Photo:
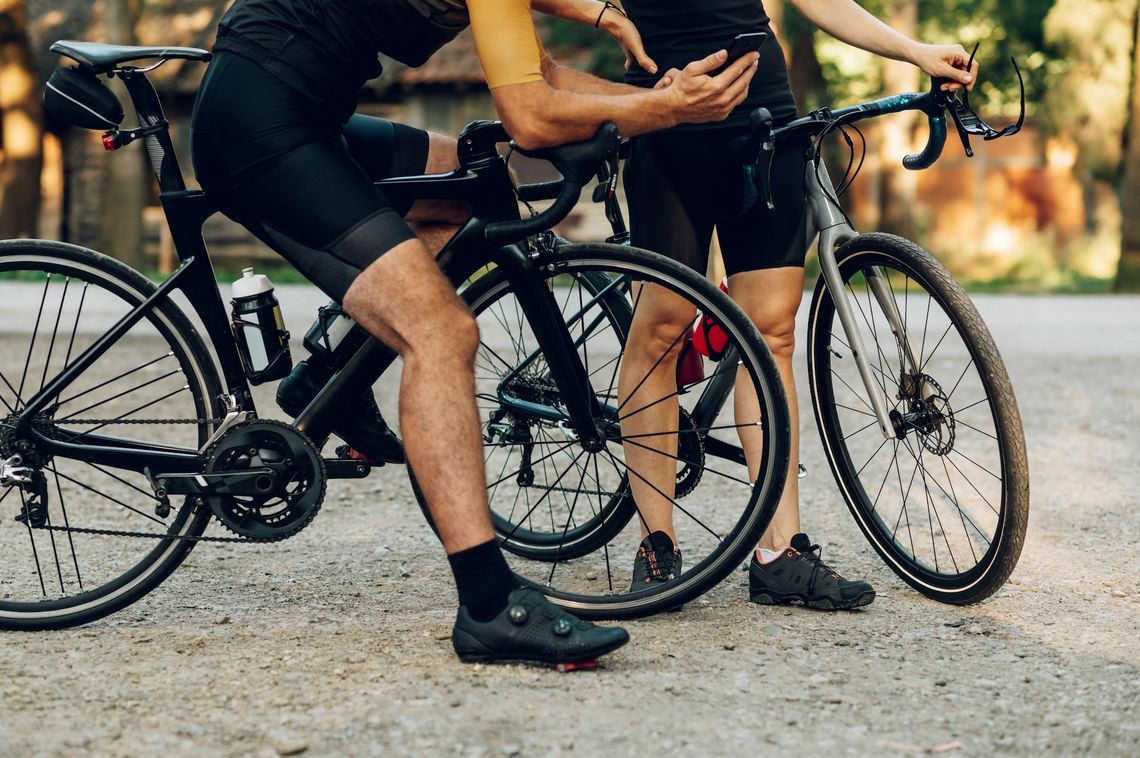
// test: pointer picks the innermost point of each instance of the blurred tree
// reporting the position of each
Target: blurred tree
(894, 136)
(126, 190)
(21, 124)
(1128, 270)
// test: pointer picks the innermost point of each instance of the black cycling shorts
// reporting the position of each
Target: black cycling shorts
(681, 184)
(303, 183)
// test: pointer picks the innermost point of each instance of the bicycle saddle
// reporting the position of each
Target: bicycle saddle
(100, 58)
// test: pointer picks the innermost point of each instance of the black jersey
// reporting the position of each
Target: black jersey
(327, 49)
(676, 32)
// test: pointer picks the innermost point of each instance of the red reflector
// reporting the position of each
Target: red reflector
(109, 141)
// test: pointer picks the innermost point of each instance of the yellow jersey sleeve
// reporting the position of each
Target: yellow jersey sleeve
(506, 41)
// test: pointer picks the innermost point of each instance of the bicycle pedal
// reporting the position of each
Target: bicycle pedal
(344, 452)
(579, 666)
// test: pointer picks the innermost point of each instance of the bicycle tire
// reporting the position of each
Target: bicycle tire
(81, 289)
(600, 265)
(931, 424)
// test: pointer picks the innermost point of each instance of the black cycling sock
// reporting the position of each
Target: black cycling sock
(483, 579)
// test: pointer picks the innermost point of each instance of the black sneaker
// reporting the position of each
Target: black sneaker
(532, 629)
(800, 575)
(365, 430)
(657, 561)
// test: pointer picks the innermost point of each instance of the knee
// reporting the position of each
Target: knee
(448, 337)
(661, 335)
(780, 336)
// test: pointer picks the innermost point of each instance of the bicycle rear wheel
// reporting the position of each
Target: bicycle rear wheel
(65, 555)
(569, 508)
(945, 499)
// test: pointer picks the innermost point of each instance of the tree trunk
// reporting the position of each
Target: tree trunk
(898, 187)
(21, 124)
(126, 194)
(775, 11)
(1128, 270)
(804, 72)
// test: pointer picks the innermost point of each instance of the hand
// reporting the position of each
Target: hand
(667, 78)
(698, 97)
(622, 29)
(947, 61)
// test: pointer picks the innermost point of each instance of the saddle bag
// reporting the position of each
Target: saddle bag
(77, 97)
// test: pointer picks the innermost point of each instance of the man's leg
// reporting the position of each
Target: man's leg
(404, 300)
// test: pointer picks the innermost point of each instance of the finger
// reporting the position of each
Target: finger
(745, 64)
(737, 89)
(707, 64)
(636, 50)
(973, 77)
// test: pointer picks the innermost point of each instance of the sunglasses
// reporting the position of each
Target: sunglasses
(966, 118)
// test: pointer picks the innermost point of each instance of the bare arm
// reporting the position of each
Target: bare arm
(848, 21)
(566, 78)
(612, 20)
(538, 114)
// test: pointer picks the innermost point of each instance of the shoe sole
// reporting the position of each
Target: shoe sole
(491, 656)
(822, 603)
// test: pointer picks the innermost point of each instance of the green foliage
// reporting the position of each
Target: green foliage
(1090, 77)
(606, 58)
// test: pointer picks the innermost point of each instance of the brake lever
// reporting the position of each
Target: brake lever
(765, 148)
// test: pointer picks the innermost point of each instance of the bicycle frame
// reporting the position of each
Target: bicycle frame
(481, 180)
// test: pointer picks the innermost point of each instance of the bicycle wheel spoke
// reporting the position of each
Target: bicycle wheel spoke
(652, 370)
(562, 541)
(678, 393)
(32, 345)
(51, 349)
(671, 500)
(105, 496)
(35, 553)
(113, 379)
(672, 457)
(124, 393)
(67, 525)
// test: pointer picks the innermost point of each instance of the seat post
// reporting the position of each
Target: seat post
(159, 146)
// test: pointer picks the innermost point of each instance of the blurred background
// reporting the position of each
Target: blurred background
(1053, 209)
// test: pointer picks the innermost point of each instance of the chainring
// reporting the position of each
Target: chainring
(292, 494)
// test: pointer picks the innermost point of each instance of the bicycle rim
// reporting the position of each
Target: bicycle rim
(52, 574)
(944, 499)
(541, 479)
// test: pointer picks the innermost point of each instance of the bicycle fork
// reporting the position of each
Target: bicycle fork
(834, 230)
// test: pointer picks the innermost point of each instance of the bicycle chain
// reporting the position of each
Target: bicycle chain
(144, 535)
(148, 535)
(144, 420)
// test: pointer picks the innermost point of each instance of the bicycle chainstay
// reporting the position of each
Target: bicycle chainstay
(144, 535)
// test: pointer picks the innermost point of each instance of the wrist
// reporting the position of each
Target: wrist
(669, 105)
(608, 16)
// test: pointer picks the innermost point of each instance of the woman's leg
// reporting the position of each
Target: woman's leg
(771, 298)
(667, 216)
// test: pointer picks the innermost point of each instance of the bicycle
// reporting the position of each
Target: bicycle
(892, 339)
(122, 429)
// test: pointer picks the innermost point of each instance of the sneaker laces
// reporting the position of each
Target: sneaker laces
(660, 566)
(814, 555)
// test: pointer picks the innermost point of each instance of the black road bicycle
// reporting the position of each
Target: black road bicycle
(912, 401)
(124, 433)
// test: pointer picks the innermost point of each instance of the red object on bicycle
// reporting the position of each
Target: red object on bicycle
(709, 338)
(690, 367)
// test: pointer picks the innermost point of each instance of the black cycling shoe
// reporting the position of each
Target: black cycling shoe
(531, 629)
(799, 575)
(365, 430)
(657, 561)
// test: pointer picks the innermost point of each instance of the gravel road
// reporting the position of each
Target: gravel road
(336, 641)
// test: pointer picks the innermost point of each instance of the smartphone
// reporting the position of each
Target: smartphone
(741, 44)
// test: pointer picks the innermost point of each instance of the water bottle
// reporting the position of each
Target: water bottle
(259, 329)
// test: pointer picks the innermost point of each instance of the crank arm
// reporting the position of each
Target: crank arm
(258, 481)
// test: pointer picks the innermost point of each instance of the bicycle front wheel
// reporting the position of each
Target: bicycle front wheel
(79, 540)
(569, 507)
(944, 496)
